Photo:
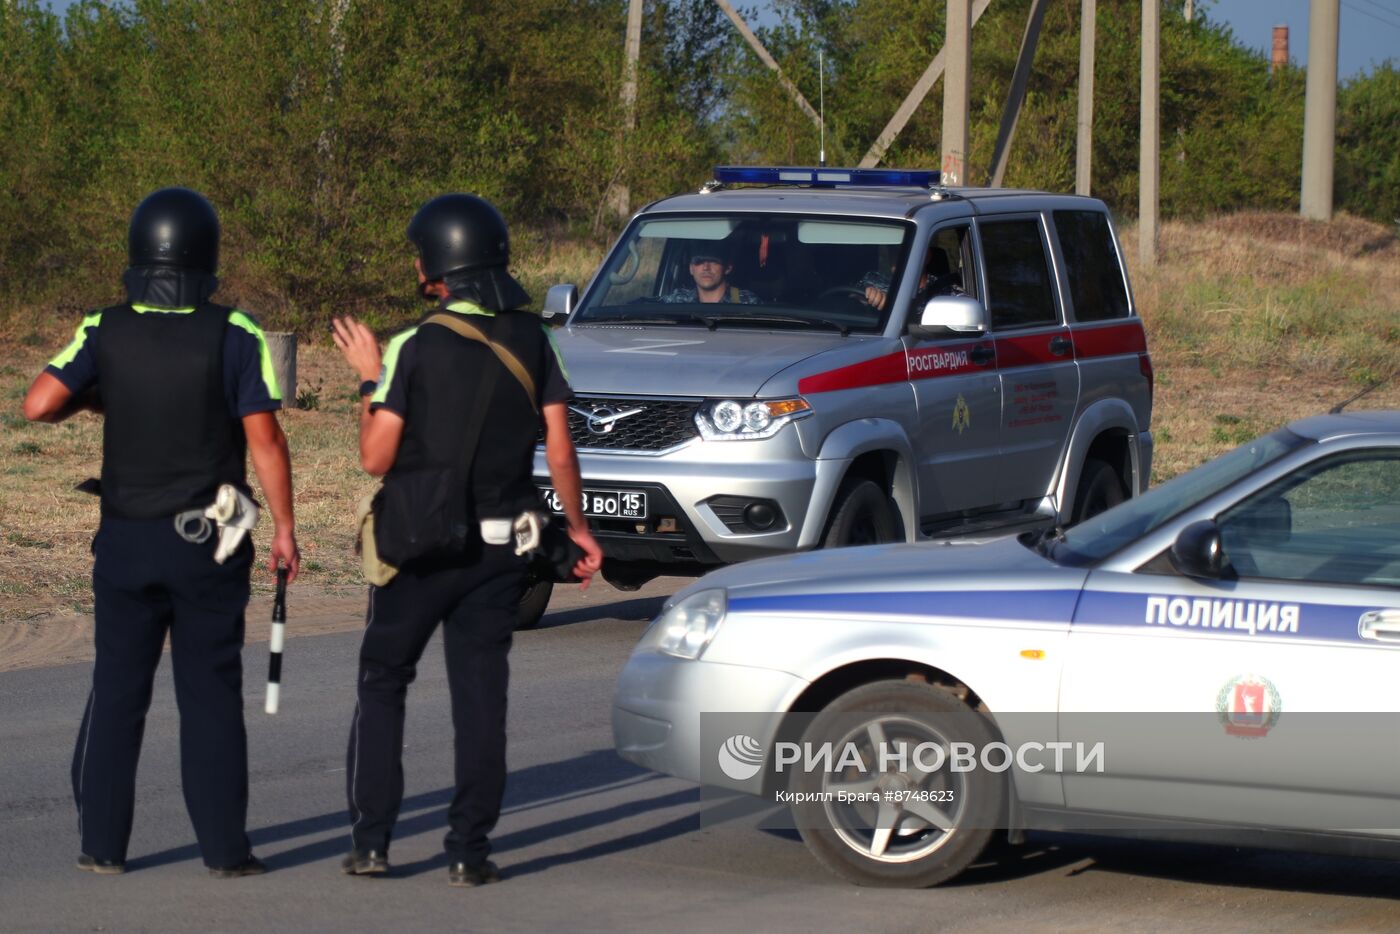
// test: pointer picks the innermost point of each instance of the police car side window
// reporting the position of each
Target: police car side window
(1091, 265)
(1337, 522)
(1019, 289)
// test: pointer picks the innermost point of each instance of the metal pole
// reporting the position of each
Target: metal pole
(915, 97)
(1149, 158)
(1017, 95)
(1084, 142)
(768, 60)
(956, 99)
(1320, 110)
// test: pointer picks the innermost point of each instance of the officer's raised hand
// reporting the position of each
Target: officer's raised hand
(358, 345)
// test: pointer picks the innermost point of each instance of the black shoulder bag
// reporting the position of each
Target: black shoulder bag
(429, 513)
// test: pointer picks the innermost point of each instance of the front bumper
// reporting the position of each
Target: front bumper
(687, 481)
(657, 712)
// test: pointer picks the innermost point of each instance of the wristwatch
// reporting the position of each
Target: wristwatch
(368, 387)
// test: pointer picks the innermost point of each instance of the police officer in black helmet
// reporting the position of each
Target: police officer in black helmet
(417, 405)
(186, 390)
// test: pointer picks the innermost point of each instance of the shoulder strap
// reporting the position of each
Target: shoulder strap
(509, 360)
(733, 295)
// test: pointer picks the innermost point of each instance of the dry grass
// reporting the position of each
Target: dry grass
(1253, 321)
(47, 527)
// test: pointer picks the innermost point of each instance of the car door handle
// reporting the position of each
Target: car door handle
(1380, 625)
(1060, 345)
(982, 354)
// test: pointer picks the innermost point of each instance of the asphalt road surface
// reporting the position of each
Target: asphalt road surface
(587, 842)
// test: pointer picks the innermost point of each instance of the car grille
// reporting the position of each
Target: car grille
(662, 423)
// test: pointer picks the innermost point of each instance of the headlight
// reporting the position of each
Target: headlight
(687, 626)
(728, 420)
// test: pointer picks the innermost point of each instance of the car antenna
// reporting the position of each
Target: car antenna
(821, 106)
(1337, 409)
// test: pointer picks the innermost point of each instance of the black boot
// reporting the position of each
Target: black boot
(365, 863)
(469, 875)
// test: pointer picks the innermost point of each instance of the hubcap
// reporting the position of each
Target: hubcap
(917, 811)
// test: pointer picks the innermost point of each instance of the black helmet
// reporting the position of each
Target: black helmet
(459, 232)
(174, 227)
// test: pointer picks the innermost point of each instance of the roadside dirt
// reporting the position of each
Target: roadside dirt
(63, 640)
(311, 611)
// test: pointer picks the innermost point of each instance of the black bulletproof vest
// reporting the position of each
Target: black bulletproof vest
(168, 439)
(442, 390)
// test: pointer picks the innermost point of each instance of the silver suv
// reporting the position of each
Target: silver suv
(808, 358)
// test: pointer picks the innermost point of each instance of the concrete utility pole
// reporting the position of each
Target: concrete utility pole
(1084, 141)
(915, 97)
(956, 96)
(1149, 171)
(621, 195)
(768, 60)
(1017, 94)
(1320, 110)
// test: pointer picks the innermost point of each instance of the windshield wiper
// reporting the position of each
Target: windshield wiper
(713, 321)
(651, 320)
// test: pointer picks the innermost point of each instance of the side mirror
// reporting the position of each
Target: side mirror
(959, 313)
(1197, 551)
(560, 300)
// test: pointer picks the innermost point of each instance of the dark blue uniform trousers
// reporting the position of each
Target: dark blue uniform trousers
(477, 605)
(146, 580)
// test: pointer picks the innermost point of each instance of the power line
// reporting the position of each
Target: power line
(1382, 7)
(1373, 16)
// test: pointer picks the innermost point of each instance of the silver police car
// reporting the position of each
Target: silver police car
(1210, 657)
(804, 358)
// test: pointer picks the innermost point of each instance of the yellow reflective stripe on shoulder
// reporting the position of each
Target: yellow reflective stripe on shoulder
(158, 310)
(66, 355)
(554, 345)
(240, 319)
(470, 308)
(391, 360)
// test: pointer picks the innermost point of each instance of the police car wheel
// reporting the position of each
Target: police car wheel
(863, 515)
(898, 818)
(533, 602)
(1099, 489)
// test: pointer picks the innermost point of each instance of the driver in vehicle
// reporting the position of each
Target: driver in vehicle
(936, 279)
(710, 267)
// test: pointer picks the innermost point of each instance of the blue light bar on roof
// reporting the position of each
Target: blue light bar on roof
(822, 177)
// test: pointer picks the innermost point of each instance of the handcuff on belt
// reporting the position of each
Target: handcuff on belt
(233, 511)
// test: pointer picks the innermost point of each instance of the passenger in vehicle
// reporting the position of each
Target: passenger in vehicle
(936, 279)
(710, 266)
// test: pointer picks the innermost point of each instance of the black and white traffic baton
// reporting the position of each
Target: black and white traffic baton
(274, 655)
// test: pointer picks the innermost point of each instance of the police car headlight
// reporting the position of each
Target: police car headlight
(727, 416)
(686, 627)
(728, 420)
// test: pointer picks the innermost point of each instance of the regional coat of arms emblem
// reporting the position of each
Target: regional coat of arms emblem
(1248, 705)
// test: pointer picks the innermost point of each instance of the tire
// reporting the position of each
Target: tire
(1099, 489)
(534, 600)
(915, 852)
(863, 515)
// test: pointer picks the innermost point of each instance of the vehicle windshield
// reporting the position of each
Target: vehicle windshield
(769, 271)
(1096, 538)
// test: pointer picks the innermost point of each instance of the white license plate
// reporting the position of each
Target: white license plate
(603, 504)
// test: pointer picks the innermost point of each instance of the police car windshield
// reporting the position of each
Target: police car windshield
(1097, 538)
(770, 271)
